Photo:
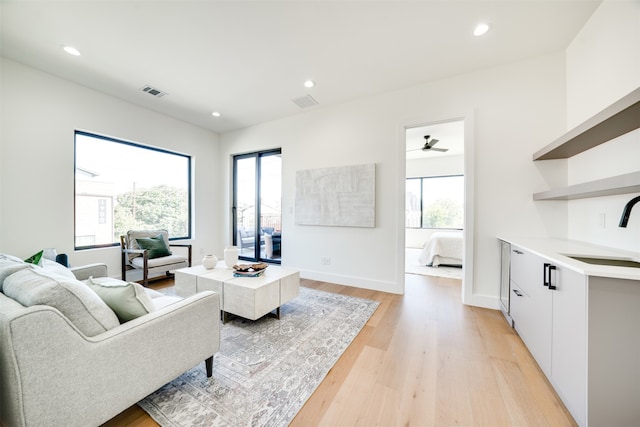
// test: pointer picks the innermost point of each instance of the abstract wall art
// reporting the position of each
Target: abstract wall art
(338, 196)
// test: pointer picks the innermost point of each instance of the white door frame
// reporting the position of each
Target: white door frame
(469, 199)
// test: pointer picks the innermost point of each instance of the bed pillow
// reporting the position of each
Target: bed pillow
(128, 300)
(156, 246)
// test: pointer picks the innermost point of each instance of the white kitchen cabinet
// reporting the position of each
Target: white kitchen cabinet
(531, 305)
(584, 332)
(569, 340)
(549, 314)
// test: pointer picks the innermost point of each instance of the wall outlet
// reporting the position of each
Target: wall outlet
(325, 260)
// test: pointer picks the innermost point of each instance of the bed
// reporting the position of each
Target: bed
(442, 248)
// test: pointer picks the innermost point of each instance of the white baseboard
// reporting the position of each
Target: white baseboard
(358, 282)
(484, 301)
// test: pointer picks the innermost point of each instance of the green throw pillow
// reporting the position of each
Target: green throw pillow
(127, 300)
(35, 259)
(155, 246)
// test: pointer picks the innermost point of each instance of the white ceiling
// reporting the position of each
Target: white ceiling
(248, 60)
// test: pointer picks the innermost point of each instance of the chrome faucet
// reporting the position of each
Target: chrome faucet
(627, 211)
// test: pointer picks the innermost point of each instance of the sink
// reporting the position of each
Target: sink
(614, 262)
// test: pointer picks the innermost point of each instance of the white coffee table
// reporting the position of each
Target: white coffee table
(248, 297)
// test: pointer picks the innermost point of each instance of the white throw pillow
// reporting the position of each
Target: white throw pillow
(9, 265)
(128, 300)
(56, 268)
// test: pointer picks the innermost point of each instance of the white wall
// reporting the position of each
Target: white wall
(603, 65)
(39, 115)
(445, 165)
(418, 168)
(516, 108)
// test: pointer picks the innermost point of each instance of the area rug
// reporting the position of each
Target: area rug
(413, 267)
(267, 369)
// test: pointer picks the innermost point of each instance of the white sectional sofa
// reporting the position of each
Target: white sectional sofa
(67, 359)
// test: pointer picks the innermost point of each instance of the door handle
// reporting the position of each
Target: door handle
(517, 292)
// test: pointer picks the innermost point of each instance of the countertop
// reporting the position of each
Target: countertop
(556, 249)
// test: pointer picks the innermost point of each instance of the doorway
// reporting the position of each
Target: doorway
(257, 213)
(435, 198)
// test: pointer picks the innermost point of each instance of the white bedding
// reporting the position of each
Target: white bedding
(443, 248)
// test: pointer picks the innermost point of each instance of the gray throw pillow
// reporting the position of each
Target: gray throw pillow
(78, 303)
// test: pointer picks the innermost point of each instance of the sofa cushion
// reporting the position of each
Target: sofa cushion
(159, 262)
(161, 300)
(9, 265)
(57, 268)
(128, 300)
(82, 306)
(165, 300)
(155, 246)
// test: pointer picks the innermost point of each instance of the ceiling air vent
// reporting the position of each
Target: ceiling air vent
(153, 91)
(305, 101)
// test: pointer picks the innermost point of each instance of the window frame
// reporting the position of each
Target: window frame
(137, 145)
(257, 156)
(422, 178)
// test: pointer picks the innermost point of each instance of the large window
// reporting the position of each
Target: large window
(435, 202)
(122, 186)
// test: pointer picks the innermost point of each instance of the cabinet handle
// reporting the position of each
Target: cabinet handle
(545, 274)
(517, 292)
(518, 252)
(551, 285)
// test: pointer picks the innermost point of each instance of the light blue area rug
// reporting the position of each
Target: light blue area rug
(267, 369)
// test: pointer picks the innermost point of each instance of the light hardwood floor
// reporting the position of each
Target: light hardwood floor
(425, 359)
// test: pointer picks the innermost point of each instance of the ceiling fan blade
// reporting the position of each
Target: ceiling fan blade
(439, 149)
(433, 142)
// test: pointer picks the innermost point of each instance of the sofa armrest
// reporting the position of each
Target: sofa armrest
(83, 272)
(58, 372)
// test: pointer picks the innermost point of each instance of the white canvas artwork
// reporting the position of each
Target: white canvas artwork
(338, 196)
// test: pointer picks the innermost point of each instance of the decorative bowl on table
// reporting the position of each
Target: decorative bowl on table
(249, 270)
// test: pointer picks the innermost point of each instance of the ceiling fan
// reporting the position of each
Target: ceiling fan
(429, 143)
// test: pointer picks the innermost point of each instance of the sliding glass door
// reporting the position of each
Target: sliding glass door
(257, 216)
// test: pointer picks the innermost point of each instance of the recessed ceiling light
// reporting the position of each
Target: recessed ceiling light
(215, 114)
(481, 29)
(71, 50)
(309, 83)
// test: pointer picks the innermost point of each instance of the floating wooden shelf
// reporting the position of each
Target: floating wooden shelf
(621, 117)
(621, 184)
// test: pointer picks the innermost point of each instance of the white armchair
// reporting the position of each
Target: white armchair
(149, 251)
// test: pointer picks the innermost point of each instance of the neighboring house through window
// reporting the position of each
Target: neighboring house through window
(121, 185)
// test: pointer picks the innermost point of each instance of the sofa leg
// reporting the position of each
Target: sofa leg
(209, 365)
